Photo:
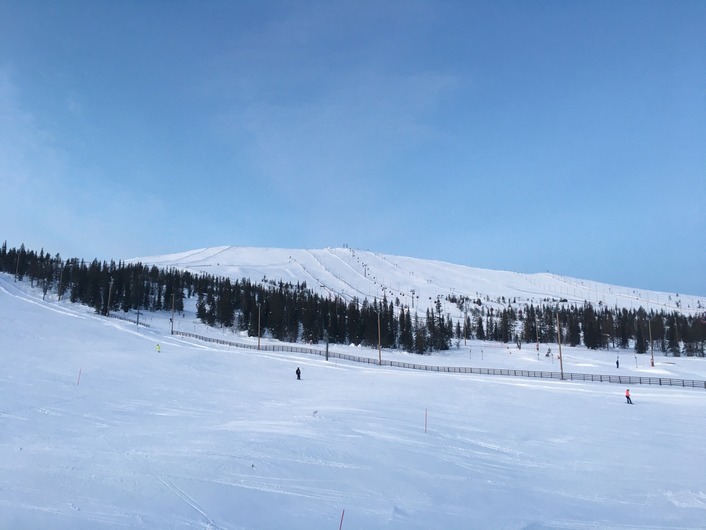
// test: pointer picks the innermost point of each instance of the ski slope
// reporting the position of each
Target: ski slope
(100, 430)
(351, 273)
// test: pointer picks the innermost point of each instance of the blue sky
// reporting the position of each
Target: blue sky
(523, 136)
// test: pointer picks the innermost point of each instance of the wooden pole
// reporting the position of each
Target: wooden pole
(536, 331)
(61, 276)
(379, 346)
(561, 357)
(172, 319)
(465, 327)
(652, 350)
(110, 294)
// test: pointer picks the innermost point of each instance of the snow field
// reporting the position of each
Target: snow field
(199, 436)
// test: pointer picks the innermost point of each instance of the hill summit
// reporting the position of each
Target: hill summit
(416, 283)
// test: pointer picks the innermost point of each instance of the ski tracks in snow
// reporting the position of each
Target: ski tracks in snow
(30, 299)
(188, 499)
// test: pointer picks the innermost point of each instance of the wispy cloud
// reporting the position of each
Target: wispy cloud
(313, 94)
(26, 151)
(73, 103)
(47, 197)
(31, 167)
(355, 127)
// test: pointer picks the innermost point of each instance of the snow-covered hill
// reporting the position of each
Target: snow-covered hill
(102, 430)
(417, 283)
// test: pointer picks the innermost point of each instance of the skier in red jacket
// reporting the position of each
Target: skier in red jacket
(627, 396)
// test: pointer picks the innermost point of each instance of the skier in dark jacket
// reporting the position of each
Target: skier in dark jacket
(299, 373)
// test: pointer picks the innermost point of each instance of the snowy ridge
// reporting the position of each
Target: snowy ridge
(350, 273)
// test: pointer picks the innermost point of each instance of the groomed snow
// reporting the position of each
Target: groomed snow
(99, 429)
(417, 283)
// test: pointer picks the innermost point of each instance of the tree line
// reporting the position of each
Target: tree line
(293, 312)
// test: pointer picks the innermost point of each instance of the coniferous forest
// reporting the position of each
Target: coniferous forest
(294, 313)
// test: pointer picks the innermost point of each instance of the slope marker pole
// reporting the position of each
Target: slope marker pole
(341, 524)
(79, 376)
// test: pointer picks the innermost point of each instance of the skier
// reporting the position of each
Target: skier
(627, 396)
(299, 373)
(617, 363)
